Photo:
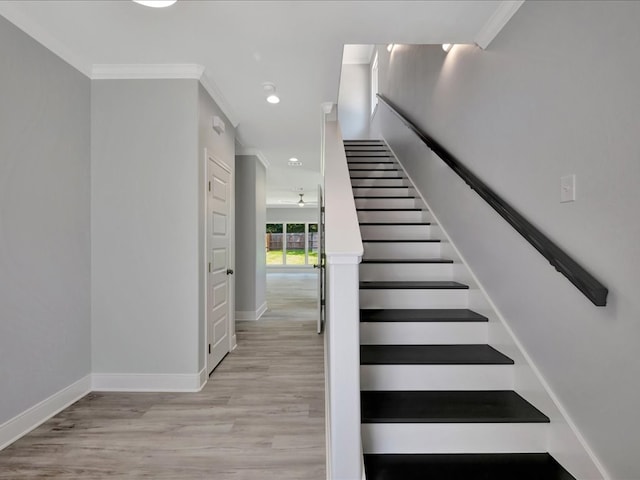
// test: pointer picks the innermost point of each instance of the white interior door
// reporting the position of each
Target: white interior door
(218, 238)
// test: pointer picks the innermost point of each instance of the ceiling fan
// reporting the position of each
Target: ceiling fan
(301, 201)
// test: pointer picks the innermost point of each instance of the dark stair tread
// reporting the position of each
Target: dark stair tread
(356, 197)
(413, 285)
(415, 240)
(464, 466)
(374, 170)
(421, 315)
(406, 260)
(432, 355)
(381, 186)
(377, 178)
(397, 224)
(377, 162)
(455, 406)
(409, 209)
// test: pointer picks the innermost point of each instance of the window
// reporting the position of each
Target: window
(292, 243)
(374, 82)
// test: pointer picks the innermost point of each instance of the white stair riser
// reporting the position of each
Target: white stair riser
(377, 166)
(406, 271)
(396, 202)
(402, 250)
(393, 216)
(413, 298)
(378, 182)
(454, 438)
(396, 232)
(423, 333)
(382, 192)
(375, 173)
(436, 377)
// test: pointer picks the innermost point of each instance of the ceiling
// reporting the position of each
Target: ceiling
(297, 45)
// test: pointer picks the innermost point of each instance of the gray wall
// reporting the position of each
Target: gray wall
(44, 223)
(556, 93)
(250, 238)
(145, 226)
(354, 101)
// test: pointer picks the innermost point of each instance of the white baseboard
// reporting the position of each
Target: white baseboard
(148, 382)
(33, 417)
(251, 316)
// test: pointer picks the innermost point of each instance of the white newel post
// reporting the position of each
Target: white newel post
(343, 247)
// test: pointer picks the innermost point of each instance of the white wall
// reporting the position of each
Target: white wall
(145, 226)
(44, 224)
(354, 101)
(555, 94)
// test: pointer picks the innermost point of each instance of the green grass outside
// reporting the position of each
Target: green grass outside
(294, 257)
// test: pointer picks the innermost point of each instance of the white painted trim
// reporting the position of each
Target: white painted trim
(234, 342)
(496, 22)
(251, 316)
(289, 268)
(547, 390)
(261, 311)
(255, 152)
(149, 71)
(23, 423)
(40, 35)
(147, 382)
(204, 378)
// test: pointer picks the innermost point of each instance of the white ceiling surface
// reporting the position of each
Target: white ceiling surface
(297, 45)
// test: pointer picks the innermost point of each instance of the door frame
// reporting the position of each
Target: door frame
(205, 257)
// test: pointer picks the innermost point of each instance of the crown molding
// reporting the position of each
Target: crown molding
(191, 71)
(212, 89)
(32, 28)
(497, 21)
(242, 150)
(146, 71)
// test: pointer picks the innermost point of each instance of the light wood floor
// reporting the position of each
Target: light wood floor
(260, 417)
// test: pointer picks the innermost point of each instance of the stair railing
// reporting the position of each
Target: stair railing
(343, 252)
(563, 263)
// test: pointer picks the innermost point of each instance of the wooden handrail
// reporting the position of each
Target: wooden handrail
(563, 263)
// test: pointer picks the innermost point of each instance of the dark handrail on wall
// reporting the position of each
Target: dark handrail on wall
(583, 280)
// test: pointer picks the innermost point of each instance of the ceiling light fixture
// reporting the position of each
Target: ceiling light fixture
(270, 91)
(447, 46)
(301, 201)
(390, 47)
(156, 3)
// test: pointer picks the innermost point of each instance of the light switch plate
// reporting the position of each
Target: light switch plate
(568, 188)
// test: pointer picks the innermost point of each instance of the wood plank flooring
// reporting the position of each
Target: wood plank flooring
(261, 416)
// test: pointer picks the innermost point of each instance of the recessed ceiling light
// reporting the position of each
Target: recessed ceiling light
(270, 91)
(294, 162)
(156, 3)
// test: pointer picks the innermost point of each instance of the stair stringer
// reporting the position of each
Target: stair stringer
(564, 440)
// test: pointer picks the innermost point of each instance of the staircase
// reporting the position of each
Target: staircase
(437, 402)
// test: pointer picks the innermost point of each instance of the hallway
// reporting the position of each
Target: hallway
(261, 416)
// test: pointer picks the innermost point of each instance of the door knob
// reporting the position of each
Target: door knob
(229, 271)
(315, 265)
